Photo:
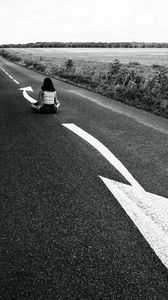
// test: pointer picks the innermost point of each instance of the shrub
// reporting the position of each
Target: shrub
(17, 59)
(28, 62)
(155, 66)
(4, 53)
(69, 64)
(113, 68)
(40, 66)
(119, 92)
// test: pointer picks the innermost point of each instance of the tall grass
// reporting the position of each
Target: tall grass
(145, 87)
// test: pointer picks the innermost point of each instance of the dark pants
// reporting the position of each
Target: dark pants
(48, 109)
(45, 109)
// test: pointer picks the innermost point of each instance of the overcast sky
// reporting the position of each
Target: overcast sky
(24, 21)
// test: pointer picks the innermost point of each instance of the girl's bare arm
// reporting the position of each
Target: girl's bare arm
(55, 98)
(40, 98)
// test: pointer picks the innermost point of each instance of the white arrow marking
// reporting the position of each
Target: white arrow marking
(25, 90)
(149, 212)
(105, 152)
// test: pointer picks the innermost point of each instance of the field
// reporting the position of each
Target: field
(147, 56)
(138, 77)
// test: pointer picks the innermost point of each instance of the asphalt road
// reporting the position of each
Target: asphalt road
(63, 234)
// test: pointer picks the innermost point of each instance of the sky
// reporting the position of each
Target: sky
(24, 21)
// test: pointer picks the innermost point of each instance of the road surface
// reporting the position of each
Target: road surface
(77, 212)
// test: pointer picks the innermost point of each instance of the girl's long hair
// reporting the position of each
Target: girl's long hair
(48, 85)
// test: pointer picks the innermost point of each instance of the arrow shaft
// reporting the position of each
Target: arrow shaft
(30, 99)
(105, 152)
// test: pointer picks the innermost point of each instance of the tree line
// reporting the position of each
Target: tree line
(86, 45)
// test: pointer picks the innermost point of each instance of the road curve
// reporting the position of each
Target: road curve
(63, 233)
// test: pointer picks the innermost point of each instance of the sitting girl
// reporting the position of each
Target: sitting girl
(48, 102)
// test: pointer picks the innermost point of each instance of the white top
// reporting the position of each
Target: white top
(48, 97)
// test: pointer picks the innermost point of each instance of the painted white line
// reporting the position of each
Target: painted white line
(9, 75)
(105, 152)
(16, 81)
(30, 99)
(148, 212)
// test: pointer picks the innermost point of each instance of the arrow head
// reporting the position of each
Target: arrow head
(132, 192)
(148, 212)
(28, 89)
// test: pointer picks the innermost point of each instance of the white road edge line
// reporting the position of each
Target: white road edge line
(105, 152)
(16, 81)
(9, 75)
